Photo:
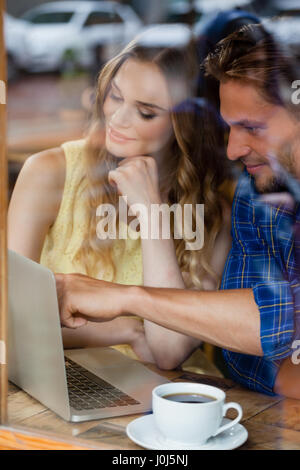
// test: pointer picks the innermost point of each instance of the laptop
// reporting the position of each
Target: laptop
(77, 384)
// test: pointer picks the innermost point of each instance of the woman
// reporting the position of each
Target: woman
(150, 143)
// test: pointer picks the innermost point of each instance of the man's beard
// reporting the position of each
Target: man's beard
(276, 184)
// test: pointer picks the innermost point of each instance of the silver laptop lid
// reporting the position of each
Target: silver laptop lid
(35, 349)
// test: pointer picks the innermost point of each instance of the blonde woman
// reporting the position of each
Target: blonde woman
(150, 143)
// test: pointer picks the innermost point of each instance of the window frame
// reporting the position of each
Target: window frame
(3, 226)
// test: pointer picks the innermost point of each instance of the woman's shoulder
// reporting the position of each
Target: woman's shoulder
(38, 188)
(47, 166)
(52, 164)
(54, 161)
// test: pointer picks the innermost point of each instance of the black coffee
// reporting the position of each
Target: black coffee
(189, 397)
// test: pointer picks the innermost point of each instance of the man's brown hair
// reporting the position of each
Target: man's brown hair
(252, 55)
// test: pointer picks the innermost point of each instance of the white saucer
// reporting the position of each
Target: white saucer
(143, 432)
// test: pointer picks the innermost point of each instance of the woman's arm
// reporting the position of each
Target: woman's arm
(118, 331)
(137, 179)
(35, 202)
(161, 269)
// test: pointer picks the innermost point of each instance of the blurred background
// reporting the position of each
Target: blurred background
(56, 49)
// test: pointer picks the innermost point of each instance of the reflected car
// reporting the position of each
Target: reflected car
(67, 33)
(14, 31)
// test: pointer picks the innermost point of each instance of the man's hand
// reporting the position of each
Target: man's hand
(82, 299)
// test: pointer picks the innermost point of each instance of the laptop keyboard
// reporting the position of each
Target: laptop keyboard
(88, 392)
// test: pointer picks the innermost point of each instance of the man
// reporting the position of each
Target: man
(255, 317)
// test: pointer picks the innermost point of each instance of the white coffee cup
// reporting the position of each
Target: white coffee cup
(191, 423)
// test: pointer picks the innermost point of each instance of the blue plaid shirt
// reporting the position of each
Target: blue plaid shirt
(262, 258)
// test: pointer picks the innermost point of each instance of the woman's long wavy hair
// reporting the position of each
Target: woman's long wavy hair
(195, 158)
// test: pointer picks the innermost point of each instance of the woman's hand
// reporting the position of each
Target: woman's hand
(137, 179)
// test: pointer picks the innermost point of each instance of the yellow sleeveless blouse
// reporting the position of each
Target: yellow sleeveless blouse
(65, 236)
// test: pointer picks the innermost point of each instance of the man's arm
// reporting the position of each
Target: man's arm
(229, 319)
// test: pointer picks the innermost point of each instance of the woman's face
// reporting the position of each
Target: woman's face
(136, 111)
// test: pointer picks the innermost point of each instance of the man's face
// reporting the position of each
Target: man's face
(258, 129)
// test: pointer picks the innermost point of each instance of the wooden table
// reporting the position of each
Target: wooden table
(272, 422)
